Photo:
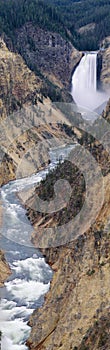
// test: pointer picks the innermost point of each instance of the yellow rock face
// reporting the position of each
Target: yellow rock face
(105, 73)
(75, 315)
(79, 295)
(4, 269)
(17, 83)
(19, 92)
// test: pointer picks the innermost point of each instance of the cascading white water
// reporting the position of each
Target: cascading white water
(91, 71)
(86, 74)
(84, 83)
(24, 290)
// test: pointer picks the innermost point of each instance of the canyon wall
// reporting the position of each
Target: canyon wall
(47, 53)
(75, 314)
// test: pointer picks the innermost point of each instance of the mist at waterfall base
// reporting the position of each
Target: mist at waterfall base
(84, 85)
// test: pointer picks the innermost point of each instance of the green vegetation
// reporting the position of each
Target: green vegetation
(45, 191)
(90, 272)
(14, 14)
(62, 16)
(76, 14)
(52, 91)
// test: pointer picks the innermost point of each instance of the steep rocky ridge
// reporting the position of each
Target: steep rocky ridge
(47, 52)
(4, 269)
(104, 63)
(77, 305)
(79, 293)
(21, 91)
(105, 72)
(74, 265)
(20, 87)
(45, 190)
(22, 99)
(25, 140)
(49, 55)
(17, 83)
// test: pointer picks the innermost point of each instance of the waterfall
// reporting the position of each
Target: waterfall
(84, 83)
(86, 74)
(91, 67)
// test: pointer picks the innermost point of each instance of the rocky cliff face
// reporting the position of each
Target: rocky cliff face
(4, 269)
(23, 107)
(47, 53)
(50, 55)
(78, 300)
(19, 87)
(71, 174)
(77, 305)
(105, 73)
(79, 294)
(25, 140)
(18, 84)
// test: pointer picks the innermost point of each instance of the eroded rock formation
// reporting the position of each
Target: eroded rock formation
(105, 72)
(77, 305)
(4, 269)
(47, 53)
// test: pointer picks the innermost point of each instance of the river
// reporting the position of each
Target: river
(30, 279)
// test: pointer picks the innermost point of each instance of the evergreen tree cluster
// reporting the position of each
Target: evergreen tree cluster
(76, 14)
(15, 13)
(59, 16)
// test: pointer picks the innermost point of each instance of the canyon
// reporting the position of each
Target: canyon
(78, 301)
(77, 304)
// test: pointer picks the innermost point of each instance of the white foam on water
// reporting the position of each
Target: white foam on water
(26, 291)
(16, 330)
(23, 294)
(7, 344)
(13, 252)
(9, 310)
(35, 268)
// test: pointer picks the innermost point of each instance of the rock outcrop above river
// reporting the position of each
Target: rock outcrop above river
(75, 315)
(105, 71)
(18, 85)
(4, 269)
(48, 53)
(77, 303)
(26, 137)
(24, 105)
(23, 99)
(79, 294)
(68, 171)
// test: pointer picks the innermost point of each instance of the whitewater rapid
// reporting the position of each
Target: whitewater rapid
(30, 280)
(84, 85)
